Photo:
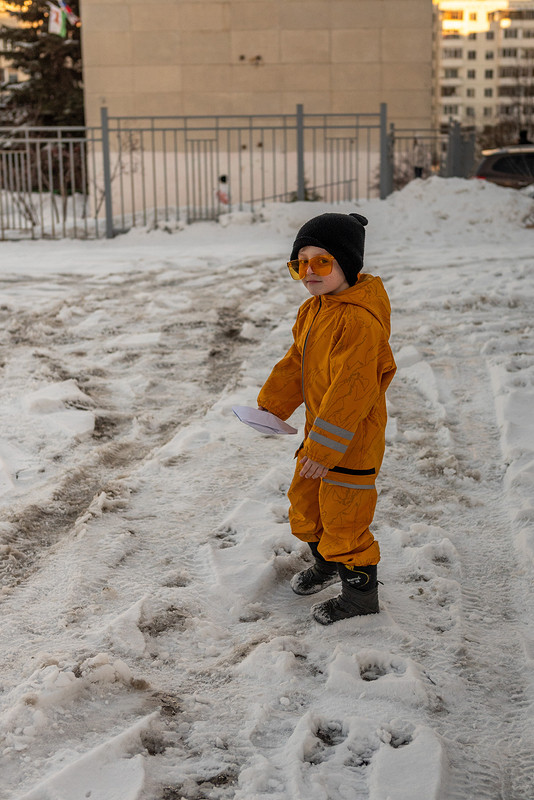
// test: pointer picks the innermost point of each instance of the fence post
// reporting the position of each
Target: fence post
(301, 186)
(454, 150)
(468, 154)
(386, 155)
(107, 172)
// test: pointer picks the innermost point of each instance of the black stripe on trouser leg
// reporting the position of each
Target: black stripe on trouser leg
(346, 471)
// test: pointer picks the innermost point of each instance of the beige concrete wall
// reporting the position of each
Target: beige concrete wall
(258, 57)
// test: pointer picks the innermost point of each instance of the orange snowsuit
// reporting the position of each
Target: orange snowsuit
(340, 366)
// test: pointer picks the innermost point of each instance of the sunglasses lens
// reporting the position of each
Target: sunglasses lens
(321, 265)
(294, 270)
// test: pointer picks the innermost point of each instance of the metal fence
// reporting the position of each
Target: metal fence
(89, 182)
(45, 188)
(149, 171)
(417, 152)
(194, 168)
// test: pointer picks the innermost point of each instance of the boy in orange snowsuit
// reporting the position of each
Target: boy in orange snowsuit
(340, 366)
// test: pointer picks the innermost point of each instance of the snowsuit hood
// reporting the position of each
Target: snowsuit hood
(368, 293)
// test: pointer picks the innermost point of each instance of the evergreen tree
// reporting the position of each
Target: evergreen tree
(52, 93)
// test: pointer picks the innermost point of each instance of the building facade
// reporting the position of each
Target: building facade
(486, 62)
(216, 57)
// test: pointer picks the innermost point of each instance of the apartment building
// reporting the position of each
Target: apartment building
(486, 62)
(190, 57)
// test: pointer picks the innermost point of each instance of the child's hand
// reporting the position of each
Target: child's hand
(312, 469)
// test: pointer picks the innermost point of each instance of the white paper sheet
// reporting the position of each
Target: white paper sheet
(262, 421)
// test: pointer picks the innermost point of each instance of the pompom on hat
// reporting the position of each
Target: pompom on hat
(341, 235)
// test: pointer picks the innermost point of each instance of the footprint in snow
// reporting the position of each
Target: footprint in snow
(281, 514)
(226, 536)
(327, 736)
(372, 670)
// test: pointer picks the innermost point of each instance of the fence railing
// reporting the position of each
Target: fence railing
(196, 168)
(45, 188)
(420, 153)
(91, 182)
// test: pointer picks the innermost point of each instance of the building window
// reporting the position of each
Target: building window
(450, 109)
(451, 35)
(470, 111)
(451, 72)
(471, 73)
(470, 92)
(528, 33)
(509, 52)
(490, 34)
(511, 33)
(448, 91)
(488, 92)
(508, 91)
(488, 111)
(528, 52)
(489, 55)
(13, 77)
(509, 72)
(473, 16)
(520, 14)
(488, 74)
(450, 52)
(472, 36)
(453, 15)
(2, 74)
(471, 55)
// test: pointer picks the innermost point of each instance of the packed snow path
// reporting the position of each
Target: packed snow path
(151, 646)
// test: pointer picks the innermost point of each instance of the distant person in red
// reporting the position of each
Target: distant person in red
(223, 193)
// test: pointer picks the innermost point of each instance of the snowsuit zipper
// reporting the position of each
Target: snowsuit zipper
(304, 354)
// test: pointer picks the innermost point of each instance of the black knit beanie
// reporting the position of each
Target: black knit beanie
(341, 235)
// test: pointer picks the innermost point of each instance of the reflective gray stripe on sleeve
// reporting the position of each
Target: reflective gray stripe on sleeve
(327, 426)
(349, 485)
(341, 448)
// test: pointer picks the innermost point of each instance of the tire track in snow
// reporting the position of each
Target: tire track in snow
(203, 342)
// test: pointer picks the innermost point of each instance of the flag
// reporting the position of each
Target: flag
(57, 22)
(71, 16)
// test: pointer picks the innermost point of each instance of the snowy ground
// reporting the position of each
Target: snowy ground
(151, 648)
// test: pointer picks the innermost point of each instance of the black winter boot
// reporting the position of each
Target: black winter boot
(359, 595)
(317, 577)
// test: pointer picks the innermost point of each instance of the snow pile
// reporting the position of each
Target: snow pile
(439, 212)
(432, 212)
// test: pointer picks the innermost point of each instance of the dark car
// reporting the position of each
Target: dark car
(509, 166)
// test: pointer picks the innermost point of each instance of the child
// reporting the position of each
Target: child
(339, 366)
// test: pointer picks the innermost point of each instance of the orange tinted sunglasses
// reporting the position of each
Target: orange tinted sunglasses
(321, 265)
